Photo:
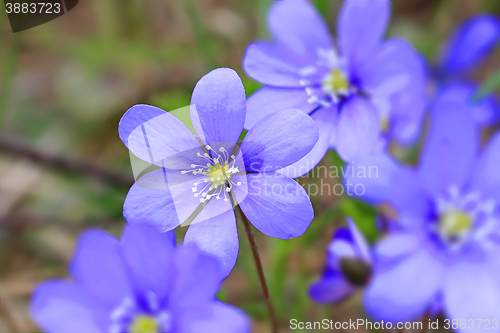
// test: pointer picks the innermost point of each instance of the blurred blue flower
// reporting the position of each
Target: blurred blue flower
(468, 46)
(442, 252)
(203, 177)
(361, 91)
(141, 284)
(348, 264)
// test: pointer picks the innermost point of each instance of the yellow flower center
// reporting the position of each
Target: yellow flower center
(384, 123)
(454, 224)
(218, 174)
(144, 324)
(335, 82)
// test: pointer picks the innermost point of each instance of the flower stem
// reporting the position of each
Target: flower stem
(260, 271)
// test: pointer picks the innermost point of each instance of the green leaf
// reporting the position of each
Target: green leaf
(492, 84)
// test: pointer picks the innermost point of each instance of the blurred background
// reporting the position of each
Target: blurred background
(64, 86)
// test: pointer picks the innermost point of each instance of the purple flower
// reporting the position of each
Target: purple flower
(361, 90)
(203, 177)
(486, 111)
(468, 46)
(141, 284)
(442, 252)
(347, 268)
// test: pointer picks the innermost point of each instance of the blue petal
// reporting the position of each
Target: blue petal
(277, 206)
(148, 255)
(298, 26)
(62, 307)
(161, 198)
(278, 140)
(485, 176)
(361, 26)
(358, 129)
(268, 100)
(360, 244)
(135, 117)
(471, 43)
(373, 179)
(393, 66)
(99, 268)
(408, 110)
(217, 236)
(326, 119)
(159, 138)
(402, 292)
(273, 64)
(216, 318)
(218, 107)
(197, 277)
(451, 148)
(472, 291)
(485, 111)
(331, 289)
(397, 245)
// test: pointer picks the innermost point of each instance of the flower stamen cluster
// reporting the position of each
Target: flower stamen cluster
(219, 169)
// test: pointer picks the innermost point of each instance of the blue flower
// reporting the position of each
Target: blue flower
(141, 284)
(361, 91)
(468, 46)
(203, 177)
(347, 268)
(442, 251)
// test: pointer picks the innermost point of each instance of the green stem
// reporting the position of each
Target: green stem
(260, 272)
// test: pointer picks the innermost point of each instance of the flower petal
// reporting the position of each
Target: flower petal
(372, 178)
(159, 138)
(331, 289)
(397, 245)
(361, 245)
(273, 64)
(161, 198)
(268, 100)
(404, 291)
(278, 140)
(218, 107)
(277, 206)
(217, 318)
(217, 236)
(393, 66)
(451, 148)
(485, 111)
(297, 25)
(472, 291)
(361, 25)
(407, 114)
(326, 119)
(99, 268)
(148, 255)
(196, 277)
(485, 177)
(62, 307)
(471, 43)
(358, 129)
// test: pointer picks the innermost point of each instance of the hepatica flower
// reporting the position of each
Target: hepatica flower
(468, 46)
(202, 177)
(443, 252)
(361, 90)
(348, 266)
(141, 284)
